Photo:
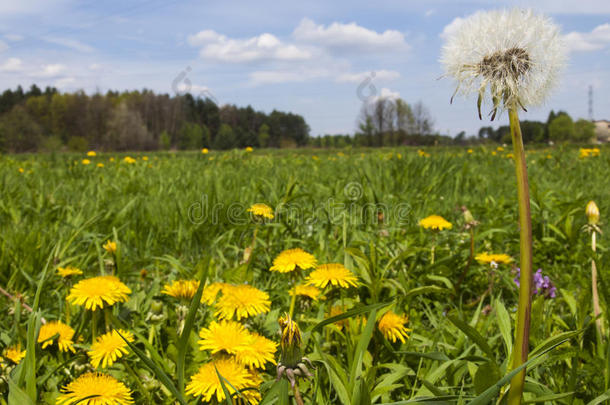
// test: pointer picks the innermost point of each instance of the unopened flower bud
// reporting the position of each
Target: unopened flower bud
(592, 213)
(290, 342)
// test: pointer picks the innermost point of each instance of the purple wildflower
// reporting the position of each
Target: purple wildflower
(542, 284)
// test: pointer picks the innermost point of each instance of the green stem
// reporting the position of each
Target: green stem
(93, 326)
(521, 347)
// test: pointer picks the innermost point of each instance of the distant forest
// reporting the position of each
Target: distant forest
(37, 120)
(48, 120)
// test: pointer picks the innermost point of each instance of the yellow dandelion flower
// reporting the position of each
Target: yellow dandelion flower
(85, 161)
(109, 246)
(435, 222)
(205, 151)
(249, 149)
(95, 389)
(332, 273)
(470, 151)
(500, 149)
(241, 301)
(14, 353)
(109, 347)
(145, 158)
(111, 159)
(306, 291)
(21, 170)
(183, 289)
(210, 292)
(99, 292)
(129, 159)
(338, 310)
(100, 165)
(69, 271)
(291, 259)
(249, 348)
(223, 336)
(392, 326)
(494, 257)
(64, 340)
(257, 351)
(207, 385)
(261, 210)
(91, 153)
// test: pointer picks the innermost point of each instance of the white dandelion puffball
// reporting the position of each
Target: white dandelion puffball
(515, 53)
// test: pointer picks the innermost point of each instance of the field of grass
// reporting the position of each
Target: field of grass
(184, 216)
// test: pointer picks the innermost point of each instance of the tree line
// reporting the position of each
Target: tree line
(559, 127)
(48, 120)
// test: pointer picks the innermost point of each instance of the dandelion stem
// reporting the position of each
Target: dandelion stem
(297, 395)
(93, 326)
(521, 346)
(596, 308)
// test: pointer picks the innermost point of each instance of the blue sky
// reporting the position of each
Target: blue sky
(306, 57)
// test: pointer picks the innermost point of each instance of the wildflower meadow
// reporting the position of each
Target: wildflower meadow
(394, 276)
(436, 275)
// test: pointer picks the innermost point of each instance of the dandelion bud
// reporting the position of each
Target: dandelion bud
(290, 342)
(592, 213)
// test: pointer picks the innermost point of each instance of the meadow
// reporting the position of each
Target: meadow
(406, 313)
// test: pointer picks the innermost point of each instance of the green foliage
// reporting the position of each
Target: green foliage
(174, 212)
(584, 131)
(78, 144)
(561, 129)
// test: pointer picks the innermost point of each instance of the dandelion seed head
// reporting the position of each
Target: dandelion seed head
(516, 54)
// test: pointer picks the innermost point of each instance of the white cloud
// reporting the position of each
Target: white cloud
(429, 12)
(383, 94)
(452, 27)
(348, 36)
(94, 66)
(284, 76)
(262, 47)
(50, 71)
(381, 75)
(69, 43)
(64, 82)
(13, 37)
(595, 40)
(11, 65)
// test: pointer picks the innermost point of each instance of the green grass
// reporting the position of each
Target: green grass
(175, 212)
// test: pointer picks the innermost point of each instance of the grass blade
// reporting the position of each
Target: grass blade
(183, 342)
